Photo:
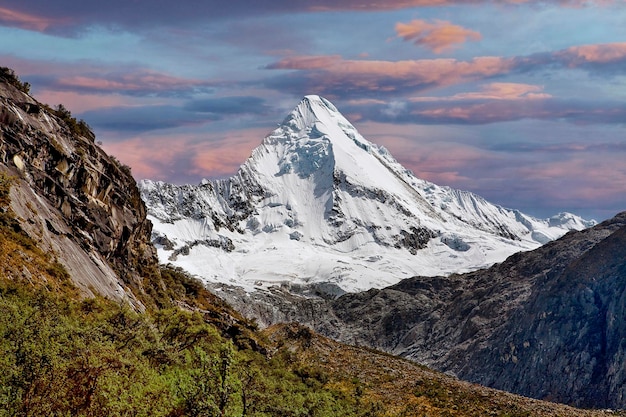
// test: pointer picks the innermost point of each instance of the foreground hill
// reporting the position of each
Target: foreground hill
(405, 388)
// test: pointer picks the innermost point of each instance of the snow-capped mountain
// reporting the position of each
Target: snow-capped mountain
(316, 203)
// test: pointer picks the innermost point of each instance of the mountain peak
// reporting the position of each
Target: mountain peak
(317, 105)
(313, 117)
(315, 138)
(318, 203)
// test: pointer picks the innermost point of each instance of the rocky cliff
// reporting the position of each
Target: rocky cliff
(77, 202)
(549, 324)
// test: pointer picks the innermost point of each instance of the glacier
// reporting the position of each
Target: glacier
(318, 204)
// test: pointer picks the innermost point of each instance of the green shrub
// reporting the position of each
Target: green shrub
(8, 75)
(76, 127)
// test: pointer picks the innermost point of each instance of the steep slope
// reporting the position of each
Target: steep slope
(348, 215)
(548, 323)
(405, 388)
(78, 203)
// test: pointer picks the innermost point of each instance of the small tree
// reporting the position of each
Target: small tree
(8, 75)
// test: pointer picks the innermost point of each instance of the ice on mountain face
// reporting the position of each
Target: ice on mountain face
(318, 203)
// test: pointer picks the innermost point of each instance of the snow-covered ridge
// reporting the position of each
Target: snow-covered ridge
(318, 203)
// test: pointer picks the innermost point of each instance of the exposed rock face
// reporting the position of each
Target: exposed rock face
(550, 323)
(73, 198)
(568, 342)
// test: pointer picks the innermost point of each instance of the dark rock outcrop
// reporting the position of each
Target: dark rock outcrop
(78, 202)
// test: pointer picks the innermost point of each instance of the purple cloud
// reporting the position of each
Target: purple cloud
(144, 118)
(69, 16)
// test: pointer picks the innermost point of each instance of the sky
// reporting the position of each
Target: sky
(520, 101)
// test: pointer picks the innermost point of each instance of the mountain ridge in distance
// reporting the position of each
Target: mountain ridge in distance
(347, 213)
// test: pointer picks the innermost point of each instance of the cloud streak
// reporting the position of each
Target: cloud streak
(28, 21)
(101, 78)
(334, 75)
(70, 16)
(145, 118)
(493, 105)
(495, 91)
(134, 81)
(438, 36)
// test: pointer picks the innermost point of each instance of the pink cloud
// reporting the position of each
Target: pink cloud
(506, 91)
(599, 54)
(438, 36)
(181, 157)
(137, 80)
(78, 103)
(28, 21)
(496, 91)
(98, 78)
(393, 75)
(336, 76)
(309, 62)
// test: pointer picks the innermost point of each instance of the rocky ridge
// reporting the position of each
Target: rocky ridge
(76, 201)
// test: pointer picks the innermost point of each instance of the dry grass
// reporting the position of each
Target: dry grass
(406, 388)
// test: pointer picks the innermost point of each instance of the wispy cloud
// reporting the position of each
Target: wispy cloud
(106, 78)
(593, 54)
(132, 81)
(480, 109)
(439, 36)
(495, 91)
(69, 16)
(28, 21)
(335, 75)
(145, 118)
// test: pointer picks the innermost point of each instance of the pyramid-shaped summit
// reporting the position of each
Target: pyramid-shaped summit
(318, 203)
(316, 139)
